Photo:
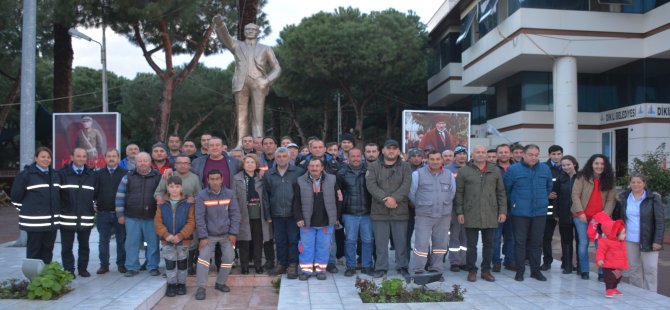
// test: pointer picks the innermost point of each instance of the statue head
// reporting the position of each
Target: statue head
(251, 31)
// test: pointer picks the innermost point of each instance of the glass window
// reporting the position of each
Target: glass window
(467, 31)
(607, 144)
(537, 92)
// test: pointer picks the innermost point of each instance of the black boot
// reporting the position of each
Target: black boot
(192, 261)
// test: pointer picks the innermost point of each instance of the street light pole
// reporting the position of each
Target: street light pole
(103, 58)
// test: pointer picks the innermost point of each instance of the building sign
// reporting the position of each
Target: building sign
(643, 110)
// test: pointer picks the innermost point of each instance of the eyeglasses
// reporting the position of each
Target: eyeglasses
(179, 163)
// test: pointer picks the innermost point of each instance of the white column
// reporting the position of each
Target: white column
(565, 104)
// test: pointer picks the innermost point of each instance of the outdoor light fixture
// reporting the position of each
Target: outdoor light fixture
(32, 267)
(75, 33)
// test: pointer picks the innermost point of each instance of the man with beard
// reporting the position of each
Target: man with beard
(371, 153)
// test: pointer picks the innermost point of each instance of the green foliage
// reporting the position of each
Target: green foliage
(276, 284)
(14, 289)
(652, 165)
(394, 291)
(52, 282)
(368, 58)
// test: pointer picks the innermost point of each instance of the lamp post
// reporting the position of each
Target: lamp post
(103, 58)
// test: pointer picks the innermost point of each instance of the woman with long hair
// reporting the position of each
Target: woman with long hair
(592, 192)
(566, 225)
(643, 212)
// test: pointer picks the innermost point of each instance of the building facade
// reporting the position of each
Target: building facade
(592, 76)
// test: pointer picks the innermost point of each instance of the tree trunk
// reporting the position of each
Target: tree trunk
(164, 109)
(359, 110)
(325, 131)
(276, 124)
(62, 82)
(248, 12)
(11, 96)
(389, 120)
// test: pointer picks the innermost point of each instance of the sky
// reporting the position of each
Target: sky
(125, 59)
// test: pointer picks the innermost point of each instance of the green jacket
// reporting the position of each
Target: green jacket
(480, 197)
(383, 181)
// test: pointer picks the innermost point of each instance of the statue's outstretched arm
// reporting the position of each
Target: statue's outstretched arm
(222, 32)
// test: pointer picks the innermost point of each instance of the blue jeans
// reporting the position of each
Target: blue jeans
(506, 232)
(136, 231)
(356, 224)
(286, 233)
(107, 222)
(583, 248)
(315, 248)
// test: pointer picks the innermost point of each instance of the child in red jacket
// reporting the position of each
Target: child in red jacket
(611, 255)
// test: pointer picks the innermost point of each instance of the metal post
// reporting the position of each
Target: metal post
(28, 45)
(339, 118)
(103, 57)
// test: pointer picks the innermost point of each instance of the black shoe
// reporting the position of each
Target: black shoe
(403, 271)
(143, 267)
(545, 266)
(455, 268)
(496, 267)
(380, 273)
(221, 287)
(181, 289)
(601, 278)
(292, 272)
(510, 267)
(518, 276)
(84, 273)
(154, 272)
(585, 275)
(200, 293)
(567, 270)
(171, 290)
(538, 276)
(259, 270)
(244, 270)
(303, 277)
(368, 271)
(321, 276)
(464, 267)
(131, 273)
(102, 270)
(122, 269)
(350, 272)
(332, 268)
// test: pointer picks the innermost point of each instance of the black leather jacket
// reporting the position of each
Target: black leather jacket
(357, 199)
(564, 199)
(652, 219)
(278, 191)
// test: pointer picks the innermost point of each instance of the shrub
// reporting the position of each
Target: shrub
(14, 289)
(276, 284)
(652, 165)
(52, 282)
(394, 291)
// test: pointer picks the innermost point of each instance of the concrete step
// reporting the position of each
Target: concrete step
(238, 280)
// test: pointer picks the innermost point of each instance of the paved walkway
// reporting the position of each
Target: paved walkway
(108, 291)
(559, 292)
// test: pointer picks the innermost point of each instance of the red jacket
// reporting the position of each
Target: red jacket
(599, 218)
(431, 137)
(611, 250)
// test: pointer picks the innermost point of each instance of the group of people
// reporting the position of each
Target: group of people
(201, 206)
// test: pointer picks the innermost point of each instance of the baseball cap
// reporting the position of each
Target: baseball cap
(292, 145)
(460, 149)
(391, 142)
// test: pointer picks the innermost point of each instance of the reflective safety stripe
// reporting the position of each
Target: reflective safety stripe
(39, 217)
(86, 224)
(36, 225)
(553, 179)
(439, 251)
(464, 248)
(454, 249)
(221, 202)
(69, 186)
(37, 186)
(203, 262)
(68, 224)
(69, 217)
(85, 217)
(550, 207)
(17, 204)
(56, 184)
(550, 213)
(419, 253)
(88, 187)
(227, 266)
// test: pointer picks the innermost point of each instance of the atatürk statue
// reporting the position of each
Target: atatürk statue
(252, 80)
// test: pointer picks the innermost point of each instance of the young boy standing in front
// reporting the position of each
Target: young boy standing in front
(175, 223)
(611, 255)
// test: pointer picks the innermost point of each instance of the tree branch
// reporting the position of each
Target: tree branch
(198, 123)
(167, 46)
(147, 55)
(200, 49)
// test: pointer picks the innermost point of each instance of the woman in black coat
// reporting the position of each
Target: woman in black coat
(566, 225)
(643, 212)
(36, 194)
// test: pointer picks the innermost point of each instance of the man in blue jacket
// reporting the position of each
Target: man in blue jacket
(529, 184)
